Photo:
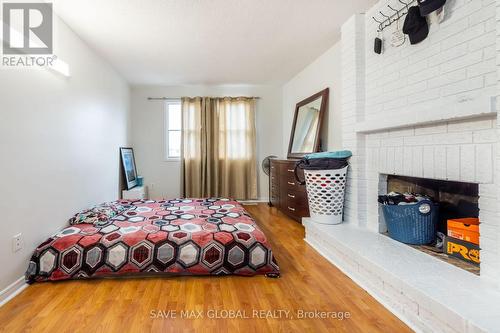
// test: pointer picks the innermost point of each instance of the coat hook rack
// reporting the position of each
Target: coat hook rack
(379, 24)
(388, 20)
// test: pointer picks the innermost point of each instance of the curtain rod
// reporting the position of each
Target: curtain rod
(172, 98)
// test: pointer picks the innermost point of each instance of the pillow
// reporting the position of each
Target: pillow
(99, 214)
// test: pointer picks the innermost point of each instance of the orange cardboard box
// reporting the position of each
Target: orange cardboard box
(465, 229)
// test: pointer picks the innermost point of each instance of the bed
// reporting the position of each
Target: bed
(214, 236)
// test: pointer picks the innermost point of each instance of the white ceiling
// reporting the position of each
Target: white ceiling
(174, 42)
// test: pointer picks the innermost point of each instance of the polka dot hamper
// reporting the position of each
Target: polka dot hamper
(325, 193)
(325, 179)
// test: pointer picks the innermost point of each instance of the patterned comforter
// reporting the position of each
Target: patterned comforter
(185, 236)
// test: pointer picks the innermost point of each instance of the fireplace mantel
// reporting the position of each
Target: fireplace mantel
(461, 110)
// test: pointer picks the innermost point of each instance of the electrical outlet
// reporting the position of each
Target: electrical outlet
(17, 243)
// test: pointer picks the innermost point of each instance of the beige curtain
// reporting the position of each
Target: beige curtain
(218, 147)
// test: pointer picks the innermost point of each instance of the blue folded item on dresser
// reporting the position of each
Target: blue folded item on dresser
(341, 154)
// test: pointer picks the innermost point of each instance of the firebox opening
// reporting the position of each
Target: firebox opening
(456, 200)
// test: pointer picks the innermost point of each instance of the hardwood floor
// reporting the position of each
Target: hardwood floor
(308, 282)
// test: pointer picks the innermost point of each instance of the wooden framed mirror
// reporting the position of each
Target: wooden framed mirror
(307, 123)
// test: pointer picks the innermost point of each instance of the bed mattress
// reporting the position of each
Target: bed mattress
(213, 236)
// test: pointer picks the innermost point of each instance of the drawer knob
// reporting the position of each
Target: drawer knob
(291, 196)
(292, 209)
(290, 183)
(290, 170)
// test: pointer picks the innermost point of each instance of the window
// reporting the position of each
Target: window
(238, 132)
(173, 126)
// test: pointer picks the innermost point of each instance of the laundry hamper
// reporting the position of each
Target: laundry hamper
(325, 193)
(414, 224)
(325, 178)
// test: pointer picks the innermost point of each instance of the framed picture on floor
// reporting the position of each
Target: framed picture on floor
(128, 165)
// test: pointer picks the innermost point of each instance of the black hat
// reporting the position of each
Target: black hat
(415, 26)
(428, 6)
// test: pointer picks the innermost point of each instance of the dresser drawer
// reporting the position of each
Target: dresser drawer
(296, 202)
(286, 193)
(288, 172)
(294, 199)
(290, 184)
(288, 168)
(296, 213)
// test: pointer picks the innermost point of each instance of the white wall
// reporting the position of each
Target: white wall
(59, 140)
(163, 177)
(324, 72)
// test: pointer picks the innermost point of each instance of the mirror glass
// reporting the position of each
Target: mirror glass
(306, 127)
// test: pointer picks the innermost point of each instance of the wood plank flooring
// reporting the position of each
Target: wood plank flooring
(308, 282)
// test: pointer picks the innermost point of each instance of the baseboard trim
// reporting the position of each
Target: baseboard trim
(375, 294)
(12, 290)
(255, 201)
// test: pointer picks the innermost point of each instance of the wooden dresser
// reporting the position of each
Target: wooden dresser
(286, 193)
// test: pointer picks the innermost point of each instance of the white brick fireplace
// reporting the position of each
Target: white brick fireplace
(455, 150)
(428, 111)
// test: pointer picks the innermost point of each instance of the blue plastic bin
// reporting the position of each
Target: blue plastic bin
(412, 224)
